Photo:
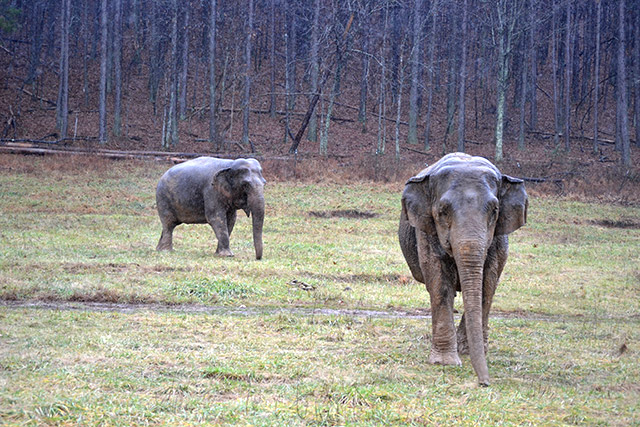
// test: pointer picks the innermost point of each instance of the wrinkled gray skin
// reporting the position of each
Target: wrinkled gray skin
(456, 215)
(210, 190)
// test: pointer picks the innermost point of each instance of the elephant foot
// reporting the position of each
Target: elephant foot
(164, 247)
(449, 358)
(224, 253)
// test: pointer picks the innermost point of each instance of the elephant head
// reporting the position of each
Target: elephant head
(241, 186)
(462, 204)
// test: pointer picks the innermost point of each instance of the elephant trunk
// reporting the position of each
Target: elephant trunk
(256, 205)
(470, 261)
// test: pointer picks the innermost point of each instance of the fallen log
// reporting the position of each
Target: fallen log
(538, 180)
(413, 150)
(26, 147)
(39, 97)
(112, 154)
(172, 156)
(603, 141)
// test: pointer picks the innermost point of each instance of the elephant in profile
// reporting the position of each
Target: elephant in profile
(210, 190)
(454, 226)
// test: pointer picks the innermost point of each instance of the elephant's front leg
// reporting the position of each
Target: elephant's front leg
(231, 220)
(220, 227)
(440, 278)
(496, 259)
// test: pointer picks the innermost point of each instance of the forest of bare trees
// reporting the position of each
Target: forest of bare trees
(565, 69)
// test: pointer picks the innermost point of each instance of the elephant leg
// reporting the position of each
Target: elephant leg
(166, 238)
(231, 220)
(219, 225)
(444, 349)
(496, 259)
(439, 278)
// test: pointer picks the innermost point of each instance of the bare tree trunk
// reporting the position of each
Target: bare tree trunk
(247, 77)
(303, 126)
(117, 68)
(293, 43)
(37, 31)
(501, 92)
(522, 98)
(554, 69)
(382, 129)
(364, 80)
(533, 56)
(621, 79)
(62, 108)
(171, 135)
(452, 75)
(636, 76)
(432, 42)
(463, 80)
(324, 138)
(213, 132)
(397, 31)
(102, 137)
(412, 137)
(287, 83)
(507, 15)
(184, 72)
(110, 30)
(155, 66)
(290, 67)
(85, 53)
(597, 76)
(272, 58)
(312, 133)
(399, 102)
(342, 45)
(568, 58)
(501, 81)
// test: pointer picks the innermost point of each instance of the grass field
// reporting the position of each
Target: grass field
(129, 336)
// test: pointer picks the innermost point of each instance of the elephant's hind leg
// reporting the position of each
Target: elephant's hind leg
(166, 238)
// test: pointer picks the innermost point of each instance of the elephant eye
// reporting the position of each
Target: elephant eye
(493, 213)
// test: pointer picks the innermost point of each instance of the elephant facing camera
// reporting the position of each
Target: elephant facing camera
(454, 226)
(207, 190)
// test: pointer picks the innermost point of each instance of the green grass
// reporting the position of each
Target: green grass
(86, 232)
(88, 368)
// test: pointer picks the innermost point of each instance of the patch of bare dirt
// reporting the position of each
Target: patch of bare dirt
(78, 267)
(136, 307)
(625, 223)
(347, 213)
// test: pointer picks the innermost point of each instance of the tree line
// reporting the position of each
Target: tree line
(557, 67)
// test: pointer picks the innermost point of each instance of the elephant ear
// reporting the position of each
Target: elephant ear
(416, 202)
(513, 205)
(222, 181)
